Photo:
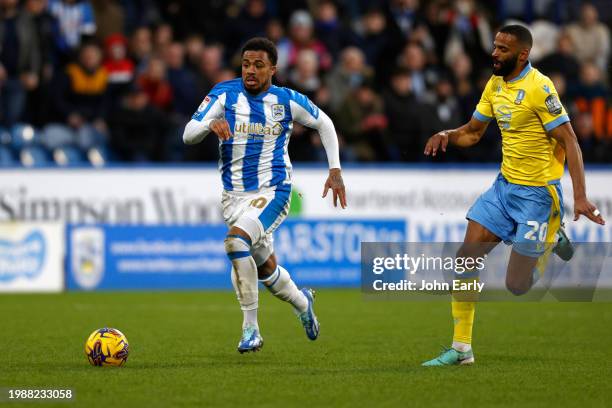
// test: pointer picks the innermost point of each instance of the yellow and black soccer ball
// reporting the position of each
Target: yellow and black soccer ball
(107, 347)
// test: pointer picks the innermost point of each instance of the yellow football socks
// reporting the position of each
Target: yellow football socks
(463, 317)
(463, 307)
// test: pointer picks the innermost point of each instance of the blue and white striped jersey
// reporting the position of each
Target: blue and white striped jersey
(74, 21)
(257, 154)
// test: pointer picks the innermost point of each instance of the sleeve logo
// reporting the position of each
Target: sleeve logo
(204, 104)
(553, 105)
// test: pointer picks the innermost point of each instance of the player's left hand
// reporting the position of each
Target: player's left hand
(334, 181)
(582, 206)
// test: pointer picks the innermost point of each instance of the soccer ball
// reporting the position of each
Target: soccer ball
(107, 347)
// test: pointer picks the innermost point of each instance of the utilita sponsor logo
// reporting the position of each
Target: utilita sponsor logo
(23, 258)
(161, 206)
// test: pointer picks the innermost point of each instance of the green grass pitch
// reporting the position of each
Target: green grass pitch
(183, 352)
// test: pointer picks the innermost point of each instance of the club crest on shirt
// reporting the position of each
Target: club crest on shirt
(278, 112)
(204, 104)
(553, 105)
(519, 97)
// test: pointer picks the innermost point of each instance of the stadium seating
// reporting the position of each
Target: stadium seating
(34, 156)
(66, 156)
(7, 158)
(23, 135)
(24, 145)
(99, 156)
(57, 135)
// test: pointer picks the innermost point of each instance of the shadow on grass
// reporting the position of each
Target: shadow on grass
(276, 365)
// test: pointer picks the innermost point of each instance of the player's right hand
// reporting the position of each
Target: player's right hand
(582, 206)
(439, 141)
(221, 128)
(336, 184)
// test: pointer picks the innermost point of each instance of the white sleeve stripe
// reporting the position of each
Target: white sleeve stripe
(329, 140)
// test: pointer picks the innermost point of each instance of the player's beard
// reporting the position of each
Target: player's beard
(506, 67)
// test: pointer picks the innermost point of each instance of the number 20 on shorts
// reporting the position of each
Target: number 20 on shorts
(537, 232)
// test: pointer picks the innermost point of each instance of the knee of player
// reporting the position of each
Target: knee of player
(266, 270)
(237, 246)
(517, 288)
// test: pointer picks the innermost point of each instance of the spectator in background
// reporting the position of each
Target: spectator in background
(301, 36)
(138, 129)
(47, 30)
(48, 33)
(110, 18)
(304, 76)
(119, 67)
(81, 94)
(275, 31)
(349, 74)
(444, 109)
(250, 22)
(20, 60)
(403, 17)
(545, 38)
(590, 37)
(465, 91)
(594, 149)
(562, 60)
(361, 122)
(437, 16)
(591, 96)
(371, 39)
(194, 47)
(305, 143)
(182, 80)
(153, 82)
(370, 34)
(76, 21)
(141, 48)
(139, 13)
(470, 33)
(162, 38)
(211, 64)
(529, 10)
(210, 72)
(406, 117)
(328, 27)
(413, 59)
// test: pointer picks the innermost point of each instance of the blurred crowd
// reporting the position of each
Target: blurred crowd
(93, 81)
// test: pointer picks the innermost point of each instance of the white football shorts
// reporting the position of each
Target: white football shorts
(258, 213)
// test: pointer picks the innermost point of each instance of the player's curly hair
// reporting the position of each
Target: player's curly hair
(261, 44)
(522, 34)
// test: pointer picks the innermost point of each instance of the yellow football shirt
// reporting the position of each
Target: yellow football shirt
(526, 108)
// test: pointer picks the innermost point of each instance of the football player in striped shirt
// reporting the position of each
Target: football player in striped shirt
(253, 120)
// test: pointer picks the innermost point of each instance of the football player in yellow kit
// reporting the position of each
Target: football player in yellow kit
(524, 206)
